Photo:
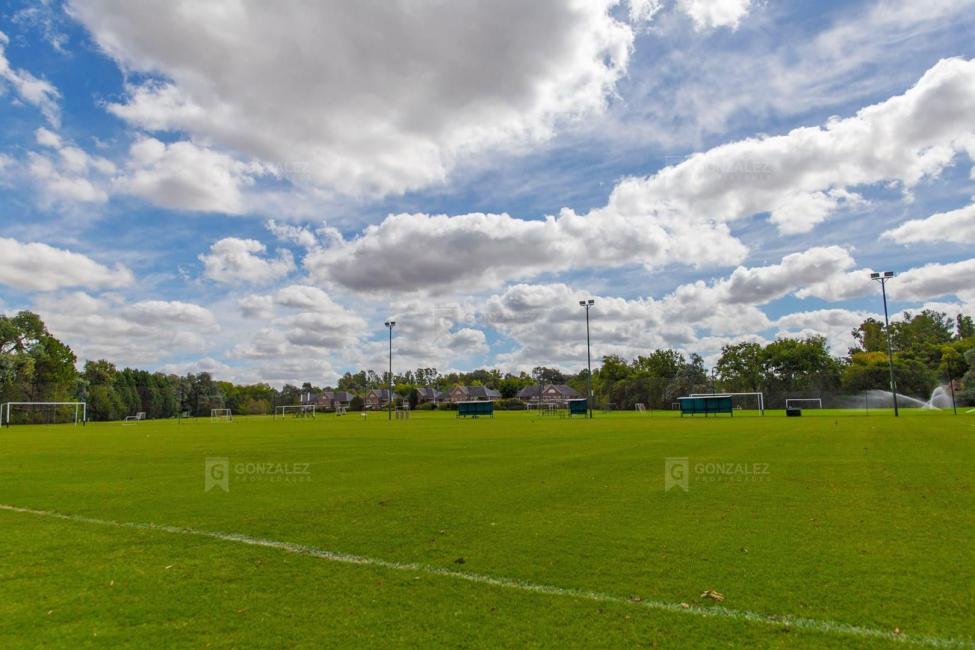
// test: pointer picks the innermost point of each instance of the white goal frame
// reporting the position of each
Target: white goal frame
(225, 415)
(760, 396)
(817, 400)
(5, 414)
(306, 410)
(641, 407)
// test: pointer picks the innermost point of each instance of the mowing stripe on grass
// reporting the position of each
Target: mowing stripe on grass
(719, 612)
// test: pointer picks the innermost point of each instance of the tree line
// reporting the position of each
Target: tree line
(928, 348)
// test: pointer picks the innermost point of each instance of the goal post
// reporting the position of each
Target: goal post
(45, 412)
(221, 415)
(812, 402)
(759, 398)
(299, 410)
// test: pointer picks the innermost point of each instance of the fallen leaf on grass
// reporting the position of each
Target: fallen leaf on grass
(713, 595)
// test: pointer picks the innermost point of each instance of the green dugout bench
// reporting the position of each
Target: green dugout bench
(706, 405)
(475, 409)
(577, 407)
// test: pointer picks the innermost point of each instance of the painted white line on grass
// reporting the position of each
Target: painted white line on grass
(716, 612)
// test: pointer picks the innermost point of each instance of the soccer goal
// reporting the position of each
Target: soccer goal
(641, 408)
(44, 413)
(804, 402)
(741, 400)
(298, 411)
(221, 415)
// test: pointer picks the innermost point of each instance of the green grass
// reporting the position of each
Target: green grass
(865, 521)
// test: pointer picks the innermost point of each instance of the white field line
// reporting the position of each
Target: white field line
(716, 612)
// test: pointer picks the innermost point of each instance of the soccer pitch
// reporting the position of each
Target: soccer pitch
(828, 530)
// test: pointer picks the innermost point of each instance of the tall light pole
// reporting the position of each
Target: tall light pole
(389, 397)
(588, 305)
(882, 279)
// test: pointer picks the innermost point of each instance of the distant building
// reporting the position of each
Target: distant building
(557, 394)
(472, 394)
(430, 395)
(378, 398)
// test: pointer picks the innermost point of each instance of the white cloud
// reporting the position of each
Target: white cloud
(34, 91)
(475, 251)
(184, 176)
(126, 333)
(256, 306)
(70, 174)
(363, 97)
(232, 260)
(708, 14)
(39, 267)
(836, 325)
(300, 235)
(956, 226)
(935, 280)
(903, 139)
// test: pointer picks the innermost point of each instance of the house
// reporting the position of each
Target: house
(472, 394)
(332, 399)
(378, 398)
(557, 394)
(428, 394)
(327, 399)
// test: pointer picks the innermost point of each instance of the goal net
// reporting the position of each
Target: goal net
(221, 415)
(804, 402)
(298, 411)
(43, 413)
(641, 408)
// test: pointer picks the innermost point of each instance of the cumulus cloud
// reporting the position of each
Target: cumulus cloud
(698, 317)
(363, 97)
(955, 226)
(935, 280)
(232, 260)
(803, 176)
(185, 176)
(39, 267)
(126, 333)
(305, 333)
(30, 89)
(66, 172)
(475, 251)
(256, 306)
(836, 325)
(708, 14)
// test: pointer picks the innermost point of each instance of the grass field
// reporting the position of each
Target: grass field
(518, 531)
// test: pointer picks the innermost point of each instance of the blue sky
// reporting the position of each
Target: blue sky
(254, 192)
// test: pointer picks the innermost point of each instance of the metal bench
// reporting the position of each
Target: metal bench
(475, 409)
(706, 405)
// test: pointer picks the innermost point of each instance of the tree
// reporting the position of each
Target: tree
(869, 336)
(741, 367)
(964, 327)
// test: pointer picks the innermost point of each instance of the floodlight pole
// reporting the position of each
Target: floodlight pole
(882, 279)
(389, 398)
(588, 305)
